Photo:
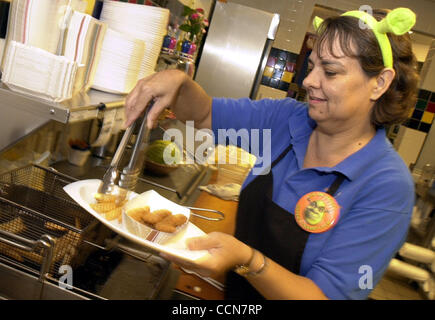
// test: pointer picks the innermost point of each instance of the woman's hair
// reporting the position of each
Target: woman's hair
(395, 104)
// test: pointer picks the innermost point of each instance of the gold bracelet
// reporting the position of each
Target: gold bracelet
(243, 269)
(262, 268)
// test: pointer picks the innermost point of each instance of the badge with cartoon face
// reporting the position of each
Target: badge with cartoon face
(317, 212)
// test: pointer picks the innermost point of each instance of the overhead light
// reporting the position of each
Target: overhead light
(410, 31)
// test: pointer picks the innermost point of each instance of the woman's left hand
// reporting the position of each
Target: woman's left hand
(225, 252)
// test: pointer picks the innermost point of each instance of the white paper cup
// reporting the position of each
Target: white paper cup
(78, 157)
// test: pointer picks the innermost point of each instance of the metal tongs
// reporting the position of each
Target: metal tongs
(120, 182)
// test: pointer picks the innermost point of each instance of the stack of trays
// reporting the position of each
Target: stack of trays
(37, 72)
(120, 63)
(143, 22)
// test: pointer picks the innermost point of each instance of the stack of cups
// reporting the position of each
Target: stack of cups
(120, 62)
(143, 22)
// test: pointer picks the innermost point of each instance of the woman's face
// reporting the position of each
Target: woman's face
(338, 90)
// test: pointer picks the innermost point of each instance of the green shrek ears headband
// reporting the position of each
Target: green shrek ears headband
(398, 21)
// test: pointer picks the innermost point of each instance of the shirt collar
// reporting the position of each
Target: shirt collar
(301, 126)
(354, 165)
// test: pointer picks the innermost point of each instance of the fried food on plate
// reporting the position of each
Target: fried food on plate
(137, 213)
(155, 216)
(114, 214)
(161, 219)
(161, 226)
(170, 223)
(103, 207)
(110, 205)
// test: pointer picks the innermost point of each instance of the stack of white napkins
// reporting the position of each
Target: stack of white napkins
(52, 50)
(120, 63)
(35, 23)
(142, 22)
(82, 43)
(37, 72)
(38, 23)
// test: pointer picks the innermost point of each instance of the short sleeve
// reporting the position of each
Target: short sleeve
(362, 244)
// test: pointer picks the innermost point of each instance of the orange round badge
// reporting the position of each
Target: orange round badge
(317, 212)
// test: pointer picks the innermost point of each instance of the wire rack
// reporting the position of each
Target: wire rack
(33, 204)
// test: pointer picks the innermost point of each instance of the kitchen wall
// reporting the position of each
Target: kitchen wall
(279, 70)
(296, 15)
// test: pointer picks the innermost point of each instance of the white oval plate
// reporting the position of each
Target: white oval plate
(83, 193)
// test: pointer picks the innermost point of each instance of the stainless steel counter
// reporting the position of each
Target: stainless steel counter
(110, 266)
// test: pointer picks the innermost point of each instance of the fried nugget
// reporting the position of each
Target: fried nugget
(156, 216)
(161, 226)
(175, 220)
(179, 219)
(137, 213)
(170, 223)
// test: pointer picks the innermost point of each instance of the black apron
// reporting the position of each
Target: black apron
(265, 226)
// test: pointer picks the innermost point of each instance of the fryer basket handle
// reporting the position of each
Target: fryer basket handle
(46, 242)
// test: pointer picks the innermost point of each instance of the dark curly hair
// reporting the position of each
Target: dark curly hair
(394, 105)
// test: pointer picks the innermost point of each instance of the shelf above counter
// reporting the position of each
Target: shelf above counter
(83, 106)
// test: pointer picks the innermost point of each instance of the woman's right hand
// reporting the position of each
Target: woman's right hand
(162, 87)
(225, 252)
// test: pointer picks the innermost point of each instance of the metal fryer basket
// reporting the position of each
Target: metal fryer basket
(33, 204)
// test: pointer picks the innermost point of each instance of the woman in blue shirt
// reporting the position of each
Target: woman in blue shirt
(333, 205)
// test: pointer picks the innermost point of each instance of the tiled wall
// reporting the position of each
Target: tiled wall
(279, 70)
(421, 117)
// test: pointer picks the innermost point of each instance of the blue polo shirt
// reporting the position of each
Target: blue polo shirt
(376, 198)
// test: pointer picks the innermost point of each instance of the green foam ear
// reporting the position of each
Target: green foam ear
(398, 21)
(317, 21)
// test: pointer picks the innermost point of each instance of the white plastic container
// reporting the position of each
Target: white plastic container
(78, 157)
